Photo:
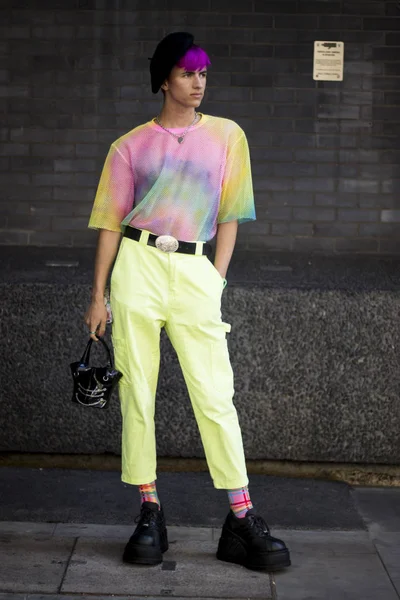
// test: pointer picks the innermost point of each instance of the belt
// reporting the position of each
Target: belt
(167, 243)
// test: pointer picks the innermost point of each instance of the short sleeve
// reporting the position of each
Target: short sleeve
(237, 198)
(115, 192)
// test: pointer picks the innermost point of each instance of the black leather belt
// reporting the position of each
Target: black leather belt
(167, 243)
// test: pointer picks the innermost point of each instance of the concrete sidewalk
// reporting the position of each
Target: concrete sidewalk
(42, 560)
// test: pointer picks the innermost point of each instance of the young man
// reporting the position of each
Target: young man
(170, 186)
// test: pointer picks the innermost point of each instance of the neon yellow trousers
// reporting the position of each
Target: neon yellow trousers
(151, 289)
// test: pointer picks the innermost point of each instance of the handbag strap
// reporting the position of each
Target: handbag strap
(86, 355)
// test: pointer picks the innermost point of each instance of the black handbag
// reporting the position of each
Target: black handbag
(93, 385)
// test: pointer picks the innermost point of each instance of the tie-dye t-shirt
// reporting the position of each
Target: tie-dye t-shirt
(152, 182)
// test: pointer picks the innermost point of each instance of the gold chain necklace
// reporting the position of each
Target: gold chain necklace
(181, 136)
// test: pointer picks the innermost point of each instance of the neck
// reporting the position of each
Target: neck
(175, 118)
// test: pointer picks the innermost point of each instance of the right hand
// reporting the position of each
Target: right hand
(96, 318)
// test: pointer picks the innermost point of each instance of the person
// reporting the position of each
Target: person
(170, 186)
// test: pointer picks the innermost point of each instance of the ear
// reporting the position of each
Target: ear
(164, 86)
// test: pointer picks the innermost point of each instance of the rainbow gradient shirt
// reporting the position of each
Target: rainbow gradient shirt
(152, 182)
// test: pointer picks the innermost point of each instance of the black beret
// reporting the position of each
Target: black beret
(168, 52)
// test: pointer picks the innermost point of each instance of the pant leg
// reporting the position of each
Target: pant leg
(137, 306)
(198, 335)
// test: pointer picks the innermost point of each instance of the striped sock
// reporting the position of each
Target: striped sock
(148, 493)
(239, 501)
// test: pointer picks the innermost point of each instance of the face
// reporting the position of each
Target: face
(185, 87)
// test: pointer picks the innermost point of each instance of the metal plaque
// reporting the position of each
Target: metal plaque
(328, 61)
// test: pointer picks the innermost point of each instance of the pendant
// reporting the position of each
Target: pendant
(180, 140)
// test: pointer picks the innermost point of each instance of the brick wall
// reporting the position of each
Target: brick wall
(74, 76)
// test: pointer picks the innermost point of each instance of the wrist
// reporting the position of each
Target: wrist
(98, 296)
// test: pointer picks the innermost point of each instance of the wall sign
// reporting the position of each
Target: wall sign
(328, 61)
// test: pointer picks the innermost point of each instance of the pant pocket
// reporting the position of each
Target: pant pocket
(221, 368)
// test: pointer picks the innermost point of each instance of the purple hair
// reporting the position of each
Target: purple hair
(195, 59)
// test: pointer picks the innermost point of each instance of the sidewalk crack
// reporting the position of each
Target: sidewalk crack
(67, 565)
(386, 571)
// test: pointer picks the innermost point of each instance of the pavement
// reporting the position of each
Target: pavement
(62, 533)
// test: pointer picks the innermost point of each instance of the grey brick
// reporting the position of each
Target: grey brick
(51, 179)
(335, 229)
(330, 111)
(4, 76)
(229, 94)
(14, 91)
(358, 215)
(294, 170)
(337, 170)
(254, 21)
(29, 222)
(53, 150)
(72, 165)
(294, 81)
(31, 135)
(90, 150)
(294, 111)
(382, 23)
(314, 214)
(9, 149)
(370, 229)
(340, 22)
(69, 223)
(296, 22)
(10, 179)
(272, 154)
(317, 7)
(391, 186)
(67, 194)
(273, 184)
(50, 238)
(230, 6)
(10, 237)
(267, 94)
(359, 156)
(74, 136)
(250, 50)
(274, 8)
(390, 216)
(15, 32)
(342, 199)
(272, 66)
(316, 184)
(357, 246)
(251, 79)
(296, 51)
(392, 39)
(276, 213)
(384, 83)
(316, 155)
(306, 244)
(357, 185)
(355, 7)
(272, 242)
(292, 199)
(87, 239)
(390, 247)
(22, 192)
(298, 140)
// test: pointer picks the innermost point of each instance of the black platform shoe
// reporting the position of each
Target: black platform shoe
(149, 540)
(248, 542)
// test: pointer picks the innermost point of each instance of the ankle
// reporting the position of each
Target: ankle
(239, 501)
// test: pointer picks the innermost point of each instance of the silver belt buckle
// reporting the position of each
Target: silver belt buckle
(167, 243)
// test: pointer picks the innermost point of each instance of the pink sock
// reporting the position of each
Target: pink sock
(239, 501)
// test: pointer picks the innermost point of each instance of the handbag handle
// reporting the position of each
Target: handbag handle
(86, 355)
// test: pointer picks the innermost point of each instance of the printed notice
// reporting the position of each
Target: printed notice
(328, 61)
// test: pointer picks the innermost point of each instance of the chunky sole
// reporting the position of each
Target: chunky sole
(138, 554)
(231, 549)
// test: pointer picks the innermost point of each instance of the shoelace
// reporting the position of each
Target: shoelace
(146, 516)
(258, 524)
